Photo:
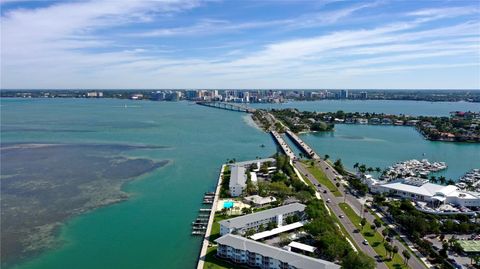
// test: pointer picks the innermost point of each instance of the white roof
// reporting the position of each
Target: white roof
(292, 258)
(259, 200)
(301, 246)
(253, 176)
(238, 177)
(242, 221)
(437, 191)
(278, 230)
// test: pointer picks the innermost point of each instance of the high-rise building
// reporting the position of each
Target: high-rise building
(344, 94)
(363, 95)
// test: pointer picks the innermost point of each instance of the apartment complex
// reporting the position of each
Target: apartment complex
(252, 253)
(254, 221)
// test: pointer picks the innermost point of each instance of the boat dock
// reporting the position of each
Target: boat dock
(211, 217)
(303, 146)
(283, 145)
(200, 224)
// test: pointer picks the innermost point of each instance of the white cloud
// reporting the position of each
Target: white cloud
(60, 46)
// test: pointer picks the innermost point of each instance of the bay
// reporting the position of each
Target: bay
(152, 228)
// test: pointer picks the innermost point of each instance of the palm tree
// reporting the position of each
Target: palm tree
(326, 157)
(362, 168)
(363, 222)
(370, 169)
(433, 179)
(442, 180)
(378, 169)
(406, 255)
(355, 166)
(388, 248)
(394, 251)
(384, 233)
(450, 182)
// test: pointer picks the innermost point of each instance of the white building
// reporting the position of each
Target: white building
(238, 180)
(245, 251)
(238, 176)
(254, 221)
(421, 190)
(259, 201)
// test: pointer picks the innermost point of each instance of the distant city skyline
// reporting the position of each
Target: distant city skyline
(245, 44)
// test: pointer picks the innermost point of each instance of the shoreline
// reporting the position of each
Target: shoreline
(206, 238)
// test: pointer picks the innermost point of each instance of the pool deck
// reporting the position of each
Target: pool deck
(203, 251)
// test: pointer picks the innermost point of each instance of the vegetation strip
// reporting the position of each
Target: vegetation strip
(374, 238)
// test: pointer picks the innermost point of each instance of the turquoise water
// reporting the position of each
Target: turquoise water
(228, 204)
(385, 106)
(152, 229)
(381, 146)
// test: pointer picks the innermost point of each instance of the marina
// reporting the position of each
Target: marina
(470, 181)
(413, 168)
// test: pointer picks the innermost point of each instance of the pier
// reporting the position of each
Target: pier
(285, 148)
(211, 217)
(303, 146)
(227, 106)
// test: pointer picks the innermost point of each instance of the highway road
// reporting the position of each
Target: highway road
(357, 206)
(335, 208)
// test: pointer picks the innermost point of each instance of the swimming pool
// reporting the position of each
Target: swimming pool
(228, 204)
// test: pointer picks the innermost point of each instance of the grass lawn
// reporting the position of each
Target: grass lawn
(322, 179)
(374, 238)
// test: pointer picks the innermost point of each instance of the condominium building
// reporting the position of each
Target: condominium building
(254, 221)
(252, 253)
(238, 180)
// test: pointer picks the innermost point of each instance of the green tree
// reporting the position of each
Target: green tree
(406, 256)
(394, 251)
(363, 222)
(326, 157)
(385, 234)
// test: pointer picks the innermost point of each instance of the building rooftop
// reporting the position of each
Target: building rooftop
(240, 222)
(430, 190)
(278, 230)
(301, 246)
(238, 176)
(245, 163)
(259, 200)
(292, 258)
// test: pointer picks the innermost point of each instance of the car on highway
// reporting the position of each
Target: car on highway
(365, 242)
(328, 200)
(341, 216)
(324, 191)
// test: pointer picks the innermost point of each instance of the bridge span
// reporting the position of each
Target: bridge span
(303, 146)
(227, 106)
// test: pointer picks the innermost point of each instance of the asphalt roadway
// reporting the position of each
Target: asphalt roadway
(357, 206)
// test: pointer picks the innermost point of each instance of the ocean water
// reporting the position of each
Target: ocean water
(382, 146)
(152, 228)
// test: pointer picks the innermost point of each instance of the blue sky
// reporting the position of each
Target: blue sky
(240, 44)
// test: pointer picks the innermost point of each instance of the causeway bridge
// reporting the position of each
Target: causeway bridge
(227, 106)
(283, 145)
(303, 146)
